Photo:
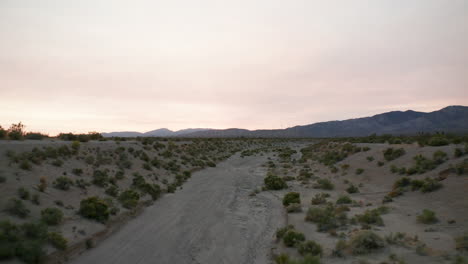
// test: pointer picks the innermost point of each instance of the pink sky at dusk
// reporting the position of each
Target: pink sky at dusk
(109, 65)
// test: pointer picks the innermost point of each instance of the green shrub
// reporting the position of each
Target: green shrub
(75, 147)
(129, 198)
(327, 218)
(365, 242)
(344, 199)
(57, 163)
(427, 217)
(391, 153)
(359, 171)
(17, 207)
(51, 216)
(15, 132)
(371, 217)
(3, 133)
(294, 208)
(439, 157)
(120, 175)
(282, 231)
(94, 208)
(273, 182)
(324, 184)
(461, 242)
(380, 163)
(291, 197)
(77, 171)
(285, 259)
(430, 185)
(25, 165)
(292, 238)
(402, 182)
(310, 248)
(458, 152)
(370, 158)
(23, 193)
(112, 191)
(57, 240)
(63, 183)
(100, 178)
(352, 189)
(30, 251)
(438, 140)
(320, 198)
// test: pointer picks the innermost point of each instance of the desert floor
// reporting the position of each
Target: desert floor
(211, 220)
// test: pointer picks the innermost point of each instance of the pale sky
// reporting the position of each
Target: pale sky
(114, 65)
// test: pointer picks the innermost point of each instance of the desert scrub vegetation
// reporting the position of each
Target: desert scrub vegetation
(129, 198)
(24, 242)
(310, 248)
(51, 216)
(344, 199)
(285, 259)
(291, 197)
(57, 240)
(274, 182)
(16, 207)
(292, 238)
(352, 189)
(422, 164)
(365, 242)
(461, 242)
(320, 198)
(324, 184)
(372, 217)
(329, 153)
(359, 171)
(23, 193)
(390, 154)
(326, 217)
(405, 184)
(94, 208)
(427, 217)
(63, 183)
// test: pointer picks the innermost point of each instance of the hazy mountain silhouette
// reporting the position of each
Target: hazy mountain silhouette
(162, 132)
(451, 119)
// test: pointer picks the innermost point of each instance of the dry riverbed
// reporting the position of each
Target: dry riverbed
(213, 219)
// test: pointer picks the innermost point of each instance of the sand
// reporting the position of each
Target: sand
(211, 220)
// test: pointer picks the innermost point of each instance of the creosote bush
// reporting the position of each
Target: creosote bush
(344, 199)
(57, 240)
(324, 184)
(16, 207)
(51, 216)
(63, 183)
(291, 197)
(352, 189)
(292, 238)
(320, 198)
(365, 242)
(23, 193)
(427, 217)
(94, 208)
(273, 182)
(129, 198)
(310, 248)
(327, 217)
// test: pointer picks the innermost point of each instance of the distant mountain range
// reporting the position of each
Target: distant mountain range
(162, 132)
(451, 119)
